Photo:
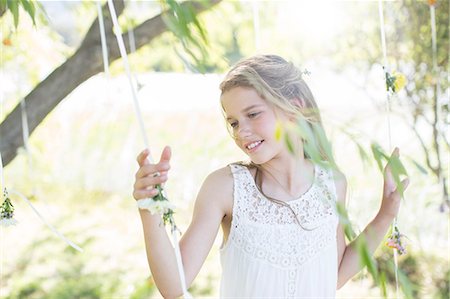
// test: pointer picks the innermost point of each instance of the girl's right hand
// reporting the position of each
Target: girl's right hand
(149, 175)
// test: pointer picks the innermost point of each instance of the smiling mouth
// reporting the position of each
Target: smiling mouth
(254, 144)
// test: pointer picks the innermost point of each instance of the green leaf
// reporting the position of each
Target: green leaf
(324, 143)
(28, 6)
(310, 145)
(345, 222)
(366, 258)
(378, 154)
(289, 144)
(383, 284)
(362, 153)
(405, 284)
(3, 4)
(14, 8)
(418, 166)
(397, 169)
(183, 22)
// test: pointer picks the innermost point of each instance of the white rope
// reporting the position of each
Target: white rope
(123, 54)
(131, 39)
(256, 26)
(2, 179)
(25, 132)
(103, 38)
(132, 43)
(51, 227)
(382, 31)
(26, 144)
(388, 112)
(176, 247)
(438, 81)
(385, 69)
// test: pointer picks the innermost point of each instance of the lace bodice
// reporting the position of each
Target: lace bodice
(266, 232)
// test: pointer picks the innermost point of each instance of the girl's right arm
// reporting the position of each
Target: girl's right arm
(210, 207)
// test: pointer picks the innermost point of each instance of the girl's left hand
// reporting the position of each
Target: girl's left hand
(390, 203)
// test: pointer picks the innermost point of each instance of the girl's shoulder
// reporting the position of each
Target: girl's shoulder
(224, 175)
(218, 187)
(220, 180)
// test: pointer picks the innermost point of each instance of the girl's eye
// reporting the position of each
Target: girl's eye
(233, 124)
(253, 115)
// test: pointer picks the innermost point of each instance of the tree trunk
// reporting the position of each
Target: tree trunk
(84, 63)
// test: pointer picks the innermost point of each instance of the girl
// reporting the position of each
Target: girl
(282, 236)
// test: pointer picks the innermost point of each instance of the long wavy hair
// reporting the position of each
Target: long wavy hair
(280, 83)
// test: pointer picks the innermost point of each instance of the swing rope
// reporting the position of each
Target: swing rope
(101, 24)
(118, 33)
(25, 135)
(256, 26)
(388, 112)
(438, 85)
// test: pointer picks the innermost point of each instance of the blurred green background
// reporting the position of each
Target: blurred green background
(83, 153)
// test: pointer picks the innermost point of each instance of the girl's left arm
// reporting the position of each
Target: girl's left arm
(348, 257)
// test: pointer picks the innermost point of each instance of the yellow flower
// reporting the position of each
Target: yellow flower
(400, 81)
(278, 131)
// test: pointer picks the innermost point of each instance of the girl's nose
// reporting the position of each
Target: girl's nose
(243, 131)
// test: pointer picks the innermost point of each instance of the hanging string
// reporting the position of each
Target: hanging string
(101, 24)
(132, 43)
(123, 54)
(437, 81)
(255, 6)
(53, 229)
(26, 137)
(388, 112)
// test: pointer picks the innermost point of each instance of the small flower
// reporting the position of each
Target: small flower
(396, 241)
(7, 41)
(306, 72)
(278, 131)
(7, 211)
(155, 206)
(159, 204)
(431, 2)
(395, 81)
(7, 222)
(400, 81)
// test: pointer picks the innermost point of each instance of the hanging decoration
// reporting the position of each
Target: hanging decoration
(7, 208)
(7, 211)
(394, 82)
(158, 204)
(101, 25)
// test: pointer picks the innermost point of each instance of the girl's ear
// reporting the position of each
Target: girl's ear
(298, 102)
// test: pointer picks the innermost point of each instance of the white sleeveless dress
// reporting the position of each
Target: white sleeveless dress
(268, 254)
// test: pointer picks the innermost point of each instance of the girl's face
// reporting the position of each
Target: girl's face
(252, 121)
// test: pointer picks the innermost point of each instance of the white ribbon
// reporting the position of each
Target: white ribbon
(60, 235)
(388, 111)
(101, 24)
(123, 54)
(51, 227)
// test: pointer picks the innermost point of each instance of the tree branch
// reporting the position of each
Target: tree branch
(84, 63)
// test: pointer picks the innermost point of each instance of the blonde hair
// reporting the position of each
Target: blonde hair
(280, 83)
